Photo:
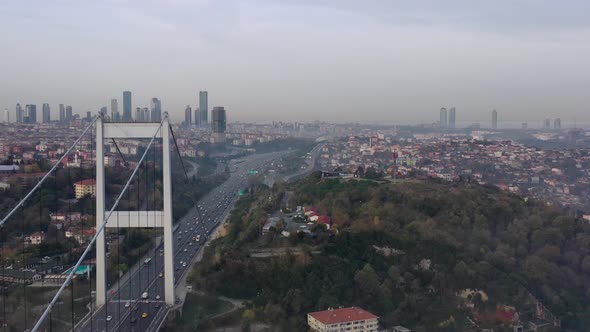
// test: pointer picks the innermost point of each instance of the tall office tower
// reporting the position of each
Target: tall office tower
(103, 110)
(524, 125)
(146, 114)
(443, 118)
(494, 119)
(69, 113)
(452, 117)
(557, 123)
(19, 114)
(127, 106)
(46, 113)
(203, 108)
(197, 118)
(156, 107)
(30, 114)
(114, 110)
(188, 116)
(62, 113)
(218, 124)
(6, 116)
(547, 124)
(138, 114)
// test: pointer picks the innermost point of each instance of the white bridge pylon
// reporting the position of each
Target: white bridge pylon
(130, 130)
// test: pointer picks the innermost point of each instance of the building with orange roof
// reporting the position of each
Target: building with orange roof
(343, 319)
(85, 187)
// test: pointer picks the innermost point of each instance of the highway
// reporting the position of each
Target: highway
(125, 309)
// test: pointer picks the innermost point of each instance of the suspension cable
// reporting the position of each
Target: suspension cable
(22, 201)
(102, 227)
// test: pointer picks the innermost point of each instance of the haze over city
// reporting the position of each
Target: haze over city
(362, 61)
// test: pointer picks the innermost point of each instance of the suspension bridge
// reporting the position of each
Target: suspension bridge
(119, 295)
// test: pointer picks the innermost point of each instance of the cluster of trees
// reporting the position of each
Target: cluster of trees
(474, 236)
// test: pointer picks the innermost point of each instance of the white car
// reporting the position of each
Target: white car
(127, 304)
(157, 297)
(184, 265)
(185, 250)
(109, 318)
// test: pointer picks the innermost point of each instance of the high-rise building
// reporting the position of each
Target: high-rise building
(452, 112)
(103, 111)
(6, 117)
(30, 114)
(69, 113)
(146, 114)
(494, 119)
(557, 123)
(524, 125)
(138, 114)
(114, 110)
(127, 106)
(188, 116)
(62, 113)
(218, 124)
(19, 114)
(156, 109)
(46, 113)
(197, 118)
(203, 108)
(547, 123)
(443, 118)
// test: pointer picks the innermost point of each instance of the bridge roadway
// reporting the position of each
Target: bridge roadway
(125, 309)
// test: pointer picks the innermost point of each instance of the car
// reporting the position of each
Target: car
(185, 250)
(144, 315)
(109, 318)
(133, 320)
(136, 308)
(157, 297)
(184, 265)
(190, 243)
(161, 274)
(127, 304)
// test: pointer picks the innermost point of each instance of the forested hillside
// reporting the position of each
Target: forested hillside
(403, 251)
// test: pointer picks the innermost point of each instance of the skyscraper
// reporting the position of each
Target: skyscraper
(69, 113)
(557, 123)
(188, 114)
(114, 110)
(19, 114)
(452, 117)
(46, 113)
(156, 108)
(30, 114)
(138, 114)
(103, 110)
(6, 116)
(494, 119)
(146, 114)
(218, 124)
(203, 108)
(62, 113)
(197, 118)
(547, 124)
(443, 118)
(127, 106)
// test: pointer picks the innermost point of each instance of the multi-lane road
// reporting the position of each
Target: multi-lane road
(126, 310)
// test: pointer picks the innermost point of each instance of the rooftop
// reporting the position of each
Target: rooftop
(341, 315)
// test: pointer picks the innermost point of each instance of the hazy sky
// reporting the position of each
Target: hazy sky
(341, 60)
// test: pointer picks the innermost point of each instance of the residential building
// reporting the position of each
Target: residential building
(343, 319)
(46, 113)
(218, 124)
(37, 238)
(127, 106)
(138, 114)
(443, 118)
(203, 108)
(146, 115)
(85, 187)
(494, 119)
(400, 328)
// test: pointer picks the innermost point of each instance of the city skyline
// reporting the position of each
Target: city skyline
(274, 61)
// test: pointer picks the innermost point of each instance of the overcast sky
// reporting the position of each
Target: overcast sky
(342, 60)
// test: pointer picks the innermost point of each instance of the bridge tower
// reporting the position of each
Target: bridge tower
(128, 130)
